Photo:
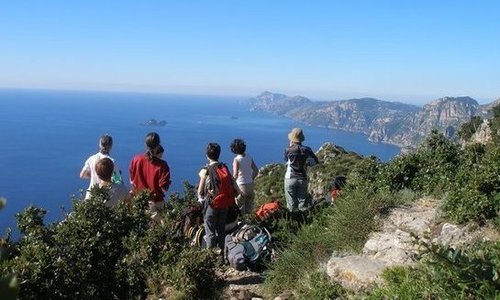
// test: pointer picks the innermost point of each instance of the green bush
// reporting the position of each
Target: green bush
(317, 285)
(103, 253)
(429, 169)
(9, 284)
(446, 273)
(475, 195)
(469, 128)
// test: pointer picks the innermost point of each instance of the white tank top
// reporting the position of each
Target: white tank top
(245, 169)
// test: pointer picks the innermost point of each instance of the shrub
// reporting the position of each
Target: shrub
(475, 195)
(469, 128)
(428, 170)
(9, 284)
(103, 253)
(317, 285)
(446, 273)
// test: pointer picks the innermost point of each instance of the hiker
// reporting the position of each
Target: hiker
(338, 184)
(216, 191)
(117, 192)
(148, 171)
(88, 170)
(244, 172)
(297, 157)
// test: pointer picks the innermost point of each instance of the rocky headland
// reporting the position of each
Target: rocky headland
(396, 123)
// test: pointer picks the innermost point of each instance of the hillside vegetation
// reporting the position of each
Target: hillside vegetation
(464, 178)
(102, 253)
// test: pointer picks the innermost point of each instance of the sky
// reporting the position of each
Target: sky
(408, 51)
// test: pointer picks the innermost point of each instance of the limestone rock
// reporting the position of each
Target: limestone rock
(355, 272)
(454, 235)
(393, 248)
(416, 219)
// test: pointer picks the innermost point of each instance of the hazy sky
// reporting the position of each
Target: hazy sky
(411, 51)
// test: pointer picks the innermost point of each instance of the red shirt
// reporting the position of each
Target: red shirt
(149, 174)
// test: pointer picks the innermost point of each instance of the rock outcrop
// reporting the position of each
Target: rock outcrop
(393, 245)
(395, 123)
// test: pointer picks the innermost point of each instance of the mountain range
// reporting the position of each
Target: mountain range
(396, 123)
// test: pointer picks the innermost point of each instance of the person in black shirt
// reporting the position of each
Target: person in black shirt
(297, 157)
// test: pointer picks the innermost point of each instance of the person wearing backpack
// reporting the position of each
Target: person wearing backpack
(297, 157)
(244, 172)
(217, 191)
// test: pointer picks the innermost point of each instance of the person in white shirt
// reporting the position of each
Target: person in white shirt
(244, 172)
(88, 170)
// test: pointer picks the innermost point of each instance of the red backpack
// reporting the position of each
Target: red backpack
(268, 209)
(220, 186)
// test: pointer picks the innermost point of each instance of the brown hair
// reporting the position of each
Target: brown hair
(213, 151)
(152, 142)
(104, 169)
(105, 144)
(238, 146)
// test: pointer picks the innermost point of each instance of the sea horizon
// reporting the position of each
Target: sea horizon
(46, 135)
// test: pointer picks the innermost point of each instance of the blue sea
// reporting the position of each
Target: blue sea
(46, 136)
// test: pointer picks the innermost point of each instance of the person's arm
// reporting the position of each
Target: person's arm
(255, 170)
(311, 154)
(201, 184)
(165, 178)
(131, 173)
(236, 168)
(85, 174)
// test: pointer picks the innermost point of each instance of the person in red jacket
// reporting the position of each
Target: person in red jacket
(149, 171)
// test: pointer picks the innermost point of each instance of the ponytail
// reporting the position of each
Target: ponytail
(152, 142)
(105, 144)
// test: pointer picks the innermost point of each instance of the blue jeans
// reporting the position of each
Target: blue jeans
(296, 194)
(215, 227)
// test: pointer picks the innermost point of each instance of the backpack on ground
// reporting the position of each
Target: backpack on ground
(267, 210)
(245, 247)
(192, 216)
(220, 186)
(190, 220)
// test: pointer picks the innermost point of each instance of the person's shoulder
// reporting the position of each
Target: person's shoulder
(94, 157)
(307, 148)
(164, 164)
(139, 156)
(203, 171)
(137, 159)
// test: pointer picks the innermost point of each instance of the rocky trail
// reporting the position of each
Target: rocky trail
(392, 245)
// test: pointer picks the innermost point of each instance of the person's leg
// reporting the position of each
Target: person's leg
(301, 192)
(245, 199)
(250, 201)
(241, 198)
(210, 223)
(221, 216)
(290, 194)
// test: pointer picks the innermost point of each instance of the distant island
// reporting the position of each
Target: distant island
(395, 123)
(154, 123)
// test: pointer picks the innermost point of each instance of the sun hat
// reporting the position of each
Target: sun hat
(296, 135)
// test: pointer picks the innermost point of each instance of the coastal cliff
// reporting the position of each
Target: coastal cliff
(395, 123)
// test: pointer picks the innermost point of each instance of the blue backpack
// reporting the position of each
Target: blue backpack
(246, 246)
